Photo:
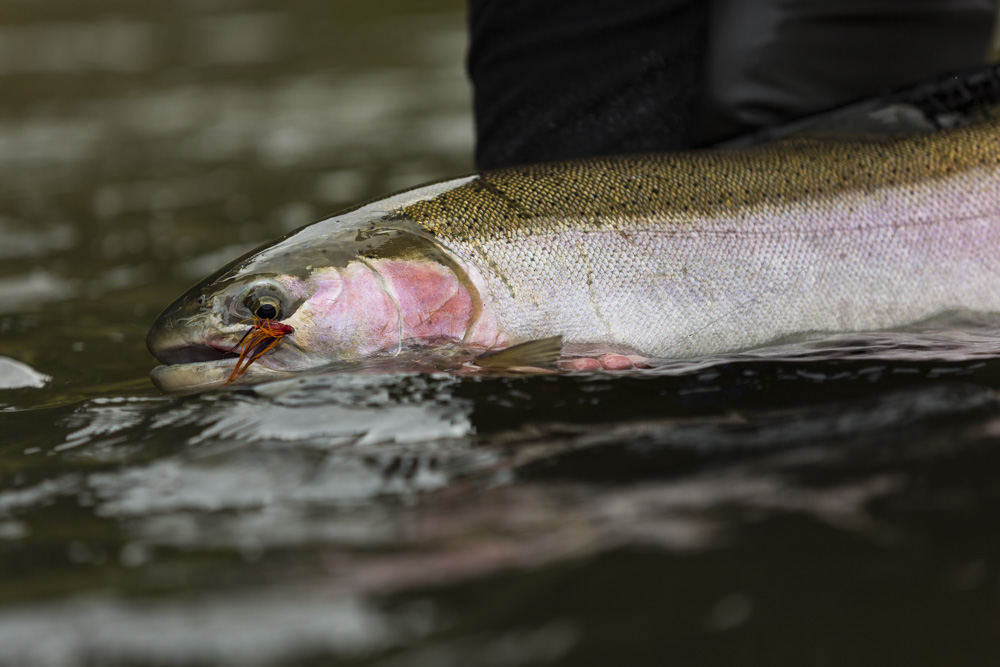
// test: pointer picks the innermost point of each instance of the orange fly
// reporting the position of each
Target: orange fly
(263, 336)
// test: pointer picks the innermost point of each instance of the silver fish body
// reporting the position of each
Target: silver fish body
(672, 255)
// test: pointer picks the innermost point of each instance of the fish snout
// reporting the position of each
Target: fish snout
(175, 336)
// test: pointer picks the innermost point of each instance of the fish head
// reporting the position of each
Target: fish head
(353, 286)
(197, 337)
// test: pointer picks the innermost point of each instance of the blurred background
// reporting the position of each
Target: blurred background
(144, 144)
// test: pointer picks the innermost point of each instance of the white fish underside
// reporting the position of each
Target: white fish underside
(851, 262)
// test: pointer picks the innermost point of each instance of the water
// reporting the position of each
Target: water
(823, 502)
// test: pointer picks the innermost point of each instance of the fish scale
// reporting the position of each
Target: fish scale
(705, 252)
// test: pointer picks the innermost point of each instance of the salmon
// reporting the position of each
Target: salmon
(663, 255)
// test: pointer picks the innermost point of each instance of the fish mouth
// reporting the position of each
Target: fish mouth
(193, 353)
(192, 367)
(196, 366)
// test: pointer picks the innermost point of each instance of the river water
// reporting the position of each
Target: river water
(827, 502)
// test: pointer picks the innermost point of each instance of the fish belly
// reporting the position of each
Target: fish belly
(859, 261)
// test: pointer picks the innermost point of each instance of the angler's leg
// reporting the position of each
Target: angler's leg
(563, 79)
(558, 79)
(769, 61)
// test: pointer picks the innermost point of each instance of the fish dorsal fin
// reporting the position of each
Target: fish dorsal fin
(535, 353)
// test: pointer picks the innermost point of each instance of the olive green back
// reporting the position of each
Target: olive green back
(629, 191)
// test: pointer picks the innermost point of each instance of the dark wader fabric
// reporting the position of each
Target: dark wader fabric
(558, 79)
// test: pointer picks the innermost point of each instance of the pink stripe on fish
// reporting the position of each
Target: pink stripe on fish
(432, 302)
(378, 305)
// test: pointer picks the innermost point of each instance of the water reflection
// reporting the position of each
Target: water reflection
(258, 629)
(411, 489)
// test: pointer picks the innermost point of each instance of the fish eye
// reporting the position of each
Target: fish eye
(267, 308)
(264, 299)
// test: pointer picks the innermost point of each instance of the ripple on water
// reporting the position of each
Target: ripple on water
(365, 487)
(236, 629)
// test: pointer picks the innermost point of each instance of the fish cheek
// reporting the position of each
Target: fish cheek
(432, 301)
(317, 320)
(347, 317)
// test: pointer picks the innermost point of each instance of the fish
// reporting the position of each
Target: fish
(668, 255)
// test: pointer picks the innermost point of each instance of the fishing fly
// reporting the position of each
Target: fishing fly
(262, 336)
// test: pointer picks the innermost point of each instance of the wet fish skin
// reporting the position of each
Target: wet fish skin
(704, 252)
(671, 255)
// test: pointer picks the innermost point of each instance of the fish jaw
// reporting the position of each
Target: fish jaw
(199, 351)
(193, 363)
(199, 376)
(209, 362)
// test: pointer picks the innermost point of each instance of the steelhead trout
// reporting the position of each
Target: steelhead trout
(665, 255)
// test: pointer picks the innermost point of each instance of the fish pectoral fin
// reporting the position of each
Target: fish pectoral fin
(535, 353)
